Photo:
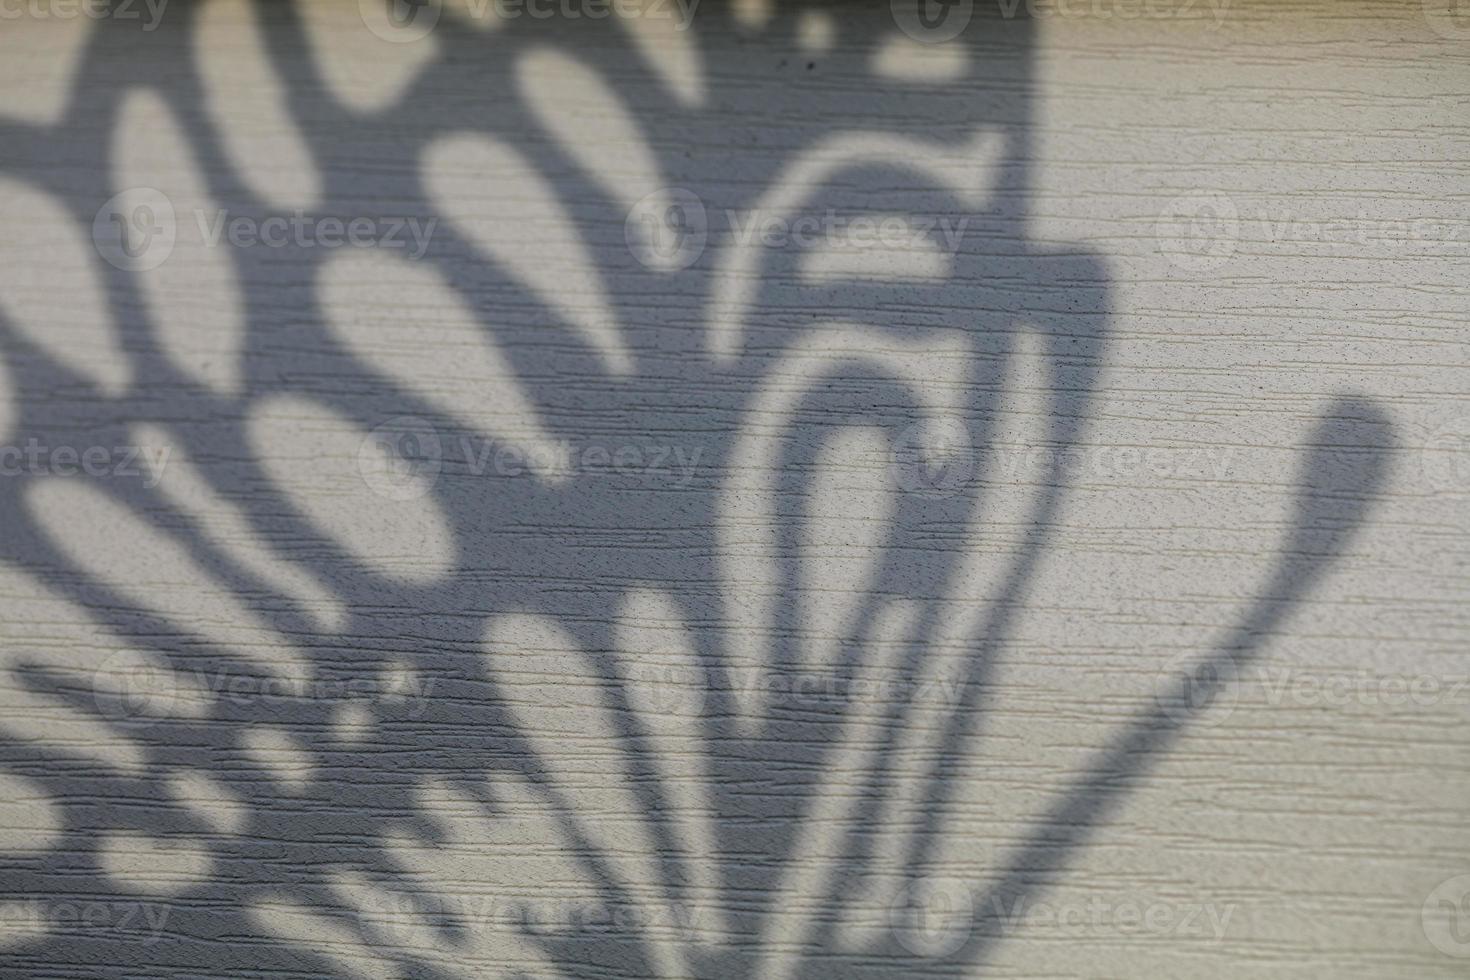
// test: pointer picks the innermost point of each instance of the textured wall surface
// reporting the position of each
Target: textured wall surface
(488, 490)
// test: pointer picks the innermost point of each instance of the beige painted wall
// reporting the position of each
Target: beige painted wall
(1275, 199)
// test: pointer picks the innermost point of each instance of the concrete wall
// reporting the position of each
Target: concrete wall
(734, 490)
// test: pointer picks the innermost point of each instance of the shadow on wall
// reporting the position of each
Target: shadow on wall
(545, 459)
